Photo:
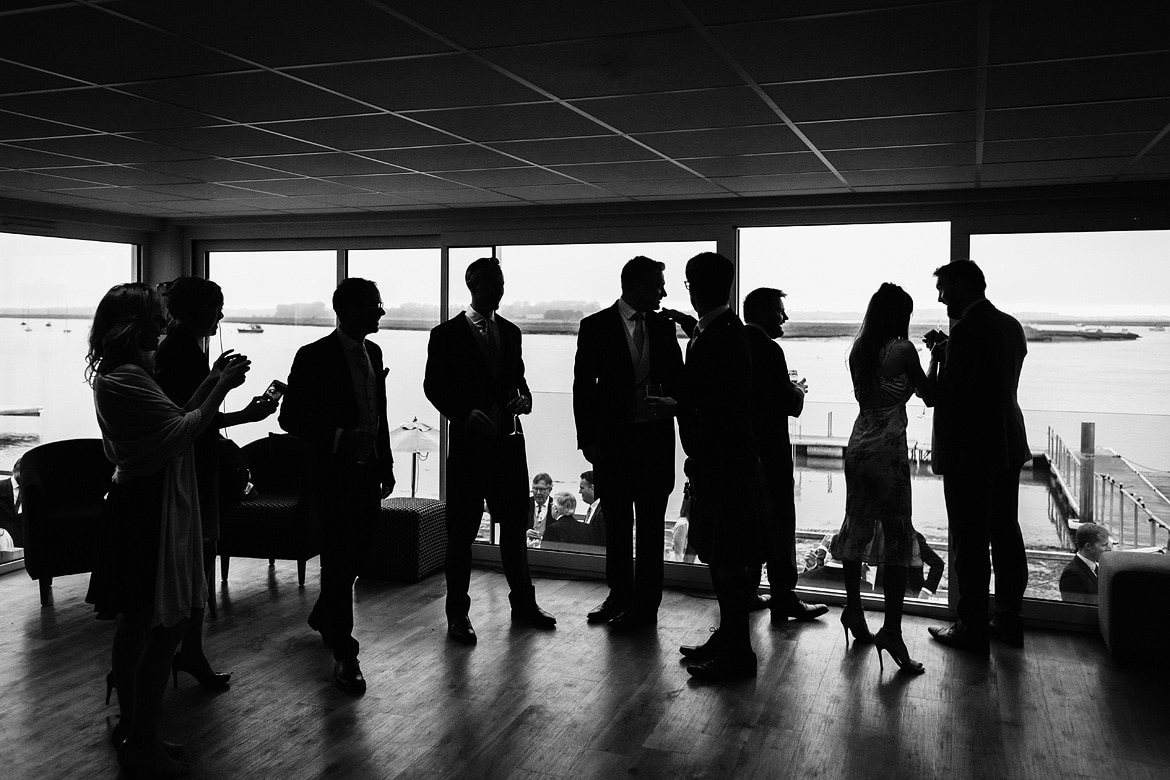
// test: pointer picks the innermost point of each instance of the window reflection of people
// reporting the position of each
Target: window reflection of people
(884, 367)
(194, 307)
(540, 508)
(566, 528)
(925, 572)
(593, 515)
(149, 570)
(1078, 581)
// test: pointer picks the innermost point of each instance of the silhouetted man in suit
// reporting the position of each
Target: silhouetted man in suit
(979, 448)
(625, 354)
(475, 378)
(1078, 581)
(594, 517)
(774, 398)
(729, 502)
(540, 507)
(336, 403)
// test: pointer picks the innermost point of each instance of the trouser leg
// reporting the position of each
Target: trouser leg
(1007, 546)
(648, 568)
(732, 583)
(968, 500)
(464, 515)
(618, 514)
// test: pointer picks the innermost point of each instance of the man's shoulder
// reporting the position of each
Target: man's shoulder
(327, 343)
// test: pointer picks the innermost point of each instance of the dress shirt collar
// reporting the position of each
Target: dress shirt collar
(971, 306)
(626, 309)
(348, 344)
(710, 317)
(1091, 564)
(478, 319)
(757, 327)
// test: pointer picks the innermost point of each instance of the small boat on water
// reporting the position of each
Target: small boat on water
(251, 327)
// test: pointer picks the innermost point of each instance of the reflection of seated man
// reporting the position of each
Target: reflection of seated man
(1078, 581)
(539, 508)
(680, 549)
(820, 565)
(919, 584)
(593, 517)
(566, 529)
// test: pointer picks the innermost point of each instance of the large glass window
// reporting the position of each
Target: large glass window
(829, 274)
(274, 303)
(49, 289)
(409, 282)
(1095, 311)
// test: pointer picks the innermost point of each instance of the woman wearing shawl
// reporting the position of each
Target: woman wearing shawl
(150, 567)
(194, 308)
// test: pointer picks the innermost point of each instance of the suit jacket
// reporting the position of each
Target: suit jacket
(321, 399)
(603, 387)
(1078, 583)
(729, 497)
(596, 526)
(978, 425)
(773, 398)
(567, 529)
(532, 513)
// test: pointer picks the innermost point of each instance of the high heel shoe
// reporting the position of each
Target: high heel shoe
(894, 645)
(118, 736)
(200, 671)
(109, 685)
(853, 619)
(149, 759)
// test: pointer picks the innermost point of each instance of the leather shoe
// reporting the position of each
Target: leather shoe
(726, 666)
(798, 610)
(316, 627)
(347, 676)
(534, 616)
(1011, 634)
(760, 601)
(634, 618)
(704, 652)
(960, 637)
(460, 630)
(605, 611)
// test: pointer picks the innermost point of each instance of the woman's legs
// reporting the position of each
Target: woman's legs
(129, 640)
(150, 679)
(894, 592)
(852, 584)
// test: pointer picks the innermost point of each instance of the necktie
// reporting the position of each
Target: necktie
(640, 333)
(493, 344)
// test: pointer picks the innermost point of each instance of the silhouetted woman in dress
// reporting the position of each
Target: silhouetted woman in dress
(886, 371)
(150, 566)
(194, 308)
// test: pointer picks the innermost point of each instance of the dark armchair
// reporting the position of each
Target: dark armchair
(61, 489)
(278, 521)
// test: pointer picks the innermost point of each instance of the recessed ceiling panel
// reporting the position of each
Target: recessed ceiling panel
(448, 81)
(203, 190)
(779, 182)
(109, 149)
(399, 182)
(26, 180)
(324, 164)
(494, 178)
(900, 177)
(228, 141)
(716, 12)
(249, 97)
(757, 164)
(19, 157)
(564, 151)
(1079, 81)
(16, 78)
(465, 195)
(725, 141)
(215, 170)
(666, 187)
(121, 194)
(928, 156)
(377, 131)
(1055, 169)
(16, 127)
(1089, 119)
(730, 107)
(1119, 145)
(117, 175)
(1059, 29)
(507, 123)
(364, 200)
(293, 187)
(895, 131)
(449, 157)
(626, 171)
(877, 96)
(104, 110)
(558, 192)
(653, 62)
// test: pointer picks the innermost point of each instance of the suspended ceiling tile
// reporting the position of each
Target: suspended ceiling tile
(899, 177)
(117, 175)
(448, 81)
(487, 25)
(270, 204)
(14, 127)
(85, 42)
(757, 164)
(215, 170)
(448, 157)
(892, 40)
(565, 151)
(374, 131)
(26, 180)
(902, 157)
(231, 207)
(203, 191)
(1149, 165)
(778, 182)
(507, 123)
(324, 164)
(707, 108)
(877, 96)
(1089, 119)
(559, 192)
(55, 197)
(626, 171)
(399, 182)
(725, 141)
(893, 131)
(228, 141)
(17, 78)
(494, 178)
(466, 195)
(1057, 29)
(652, 62)
(18, 157)
(1079, 81)
(1119, 145)
(104, 110)
(1055, 169)
(109, 149)
(120, 194)
(365, 200)
(248, 97)
(279, 33)
(294, 187)
(666, 188)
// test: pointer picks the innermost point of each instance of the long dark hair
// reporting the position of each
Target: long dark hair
(192, 302)
(116, 335)
(887, 317)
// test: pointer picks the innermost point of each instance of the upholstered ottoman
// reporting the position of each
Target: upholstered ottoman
(1133, 608)
(407, 542)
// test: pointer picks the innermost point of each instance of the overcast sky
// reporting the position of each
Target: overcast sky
(829, 269)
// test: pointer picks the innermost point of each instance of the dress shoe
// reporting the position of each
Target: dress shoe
(148, 759)
(460, 630)
(892, 643)
(853, 620)
(1011, 634)
(725, 666)
(960, 637)
(760, 601)
(798, 610)
(533, 615)
(201, 670)
(634, 618)
(704, 652)
(347, 676)
(606, 611)
(316, 627)
(122, 728)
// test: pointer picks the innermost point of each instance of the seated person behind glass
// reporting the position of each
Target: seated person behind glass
(565, 528)
(920, 584)
(1078, 581)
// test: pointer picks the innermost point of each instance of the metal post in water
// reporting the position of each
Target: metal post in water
(1088, 464)
(830, 424)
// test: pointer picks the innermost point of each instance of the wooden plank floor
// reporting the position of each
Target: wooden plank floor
(571, 703)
